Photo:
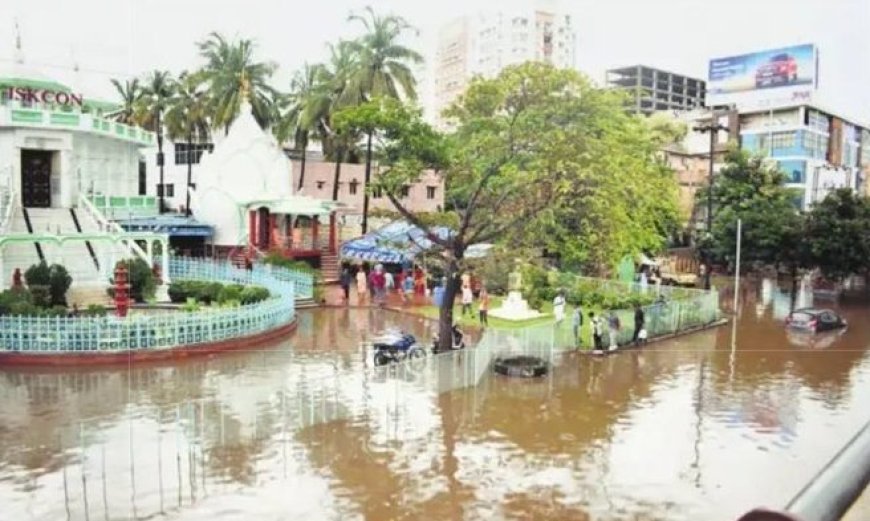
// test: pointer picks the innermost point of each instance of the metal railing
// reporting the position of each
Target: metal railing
(832, 491)
(110, 226)
(52, 335)
(8, 199)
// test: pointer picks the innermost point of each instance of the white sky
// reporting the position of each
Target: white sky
(114, 38)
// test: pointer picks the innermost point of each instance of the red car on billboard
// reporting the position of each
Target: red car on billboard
(780, 69)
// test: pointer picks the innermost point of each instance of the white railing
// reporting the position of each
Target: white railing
(107, 225)
(8, 199)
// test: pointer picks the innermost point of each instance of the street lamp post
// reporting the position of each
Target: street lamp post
(713, 128)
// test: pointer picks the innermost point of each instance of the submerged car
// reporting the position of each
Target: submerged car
(814, 320)
(781, 68)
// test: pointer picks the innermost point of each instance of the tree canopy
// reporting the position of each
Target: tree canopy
(751, 189)
(838, 234)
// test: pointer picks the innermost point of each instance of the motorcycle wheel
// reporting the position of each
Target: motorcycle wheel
(381, 359)
(416, 352)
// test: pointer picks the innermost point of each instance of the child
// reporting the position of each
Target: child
(484, 307)
(467, 299)
(597, 332)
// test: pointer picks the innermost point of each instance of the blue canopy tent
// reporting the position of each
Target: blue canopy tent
(397, 243)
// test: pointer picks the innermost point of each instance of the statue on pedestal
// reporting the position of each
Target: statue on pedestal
(515, 278)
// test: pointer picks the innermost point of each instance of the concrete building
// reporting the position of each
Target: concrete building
(426, 195)
(652, 90)
(818, 150)
(485, 43)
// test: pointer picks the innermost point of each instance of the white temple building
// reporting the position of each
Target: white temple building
(245, 191)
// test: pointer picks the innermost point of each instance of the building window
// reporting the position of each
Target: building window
(782, 140)
(354, 184)
(406, 190)
(194, 151)
(170, 190)
(377, 192)
(794, 171)
(430, 192)
(143, 179)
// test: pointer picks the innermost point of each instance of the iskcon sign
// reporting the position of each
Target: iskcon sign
(31, 95)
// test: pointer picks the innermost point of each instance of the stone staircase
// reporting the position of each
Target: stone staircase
(330, 269)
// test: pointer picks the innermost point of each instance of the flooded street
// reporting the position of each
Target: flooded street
(706, 426)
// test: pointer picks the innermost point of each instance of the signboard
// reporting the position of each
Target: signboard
(28, 95)
(764, 79)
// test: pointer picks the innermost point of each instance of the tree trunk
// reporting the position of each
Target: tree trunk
(189, 174)
(160, 161)
(365, 217)
(445, 317)
(338, 158)
(302, 170)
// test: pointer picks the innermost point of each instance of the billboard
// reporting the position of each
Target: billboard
(764, 79)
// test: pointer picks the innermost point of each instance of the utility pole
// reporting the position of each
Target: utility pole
(713, 128)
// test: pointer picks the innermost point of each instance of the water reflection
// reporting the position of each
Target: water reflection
(670, 432)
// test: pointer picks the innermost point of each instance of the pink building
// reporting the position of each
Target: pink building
(426, 195)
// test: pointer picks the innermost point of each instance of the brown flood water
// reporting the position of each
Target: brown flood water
(688, 429)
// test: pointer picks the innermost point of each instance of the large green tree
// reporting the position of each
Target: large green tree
(515, 153)
(187, 120)
(618, 198)
(230, 70)
(156, 97)
(838, 234)
(751, 189)
(383, 70)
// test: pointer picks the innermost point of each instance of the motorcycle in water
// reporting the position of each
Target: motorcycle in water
(396, 347)
(458, 340)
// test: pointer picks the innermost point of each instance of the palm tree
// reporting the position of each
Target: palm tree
(129, 92)
(156, 98)
(230, 69)
(185, 119)
(383, 71)
(331, 92)
(301, 116)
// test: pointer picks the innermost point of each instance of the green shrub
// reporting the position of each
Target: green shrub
(25, 308)
(210, 292)
(179, 291)
(230, 292)
(41, 295)
(59, 282)
(38, 275)
(253, 294)
(191, 305)
(13, 297)
(96, 310)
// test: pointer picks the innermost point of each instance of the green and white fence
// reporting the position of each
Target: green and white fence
(53, 335)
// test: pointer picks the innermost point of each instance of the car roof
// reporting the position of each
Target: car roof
(814, 311)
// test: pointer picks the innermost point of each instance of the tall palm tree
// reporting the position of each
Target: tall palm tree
(186, 119)
(331, 92)
(383, 71)
(300, 117)
(129, 92)
(156, 98)
(229, 66)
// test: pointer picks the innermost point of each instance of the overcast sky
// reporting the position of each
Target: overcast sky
(116, 38)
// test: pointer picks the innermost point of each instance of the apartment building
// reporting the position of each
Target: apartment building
(485, 43)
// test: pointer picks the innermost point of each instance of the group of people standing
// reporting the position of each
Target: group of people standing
(599, 323)
(378, 282)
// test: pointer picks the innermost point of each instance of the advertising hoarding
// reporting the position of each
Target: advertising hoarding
(764, 79)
